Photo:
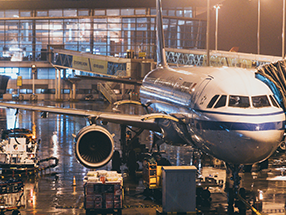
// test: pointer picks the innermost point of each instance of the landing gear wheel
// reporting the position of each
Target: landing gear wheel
(16, 212)
(282, 146)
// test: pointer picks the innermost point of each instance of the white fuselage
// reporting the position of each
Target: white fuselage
(227, 111)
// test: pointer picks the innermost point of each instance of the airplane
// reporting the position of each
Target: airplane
(225, 112)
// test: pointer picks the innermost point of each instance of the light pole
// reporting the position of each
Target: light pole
(34, 97)
(258, 28)
(283, 31)
(34, 70)
(207, 33)
(216, 24)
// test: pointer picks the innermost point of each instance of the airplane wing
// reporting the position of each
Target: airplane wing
(147, 121)
(94, 145)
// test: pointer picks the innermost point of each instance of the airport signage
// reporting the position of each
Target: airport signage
(19, 81)
(98, 66)
(81, 63)
(89, 64)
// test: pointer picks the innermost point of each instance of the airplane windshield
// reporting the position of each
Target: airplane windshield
(213, 100)
(238, 101)
(221, 102)
(260, 101)
(274, 102)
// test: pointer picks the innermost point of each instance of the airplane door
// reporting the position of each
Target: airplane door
(198, 95)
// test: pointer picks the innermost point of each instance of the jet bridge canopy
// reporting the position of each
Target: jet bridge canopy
(274, 75)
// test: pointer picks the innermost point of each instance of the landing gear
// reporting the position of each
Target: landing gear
(235, 177)
(16, 212)
(196, 160)
(130, 145)
(156, 143)
(129, 141)
(233, 192)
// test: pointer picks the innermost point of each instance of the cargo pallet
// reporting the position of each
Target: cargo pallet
(103, 198)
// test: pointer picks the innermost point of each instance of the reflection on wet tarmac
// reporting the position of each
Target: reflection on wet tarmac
(52, 191)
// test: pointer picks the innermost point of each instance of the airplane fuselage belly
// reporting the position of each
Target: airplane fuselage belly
(227, 146)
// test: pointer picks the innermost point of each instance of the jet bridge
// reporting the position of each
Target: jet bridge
(198, 57)
(98, 65)
(274, 75)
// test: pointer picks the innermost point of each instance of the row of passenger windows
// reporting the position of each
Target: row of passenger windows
(242, 101)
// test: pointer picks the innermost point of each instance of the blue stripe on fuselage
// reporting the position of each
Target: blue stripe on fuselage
(242, 126)
(238, 114)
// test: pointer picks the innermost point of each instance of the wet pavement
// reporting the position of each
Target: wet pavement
(52, 191)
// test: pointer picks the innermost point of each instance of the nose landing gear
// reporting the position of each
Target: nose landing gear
(236, 196)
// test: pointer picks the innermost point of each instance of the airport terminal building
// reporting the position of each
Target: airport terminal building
(31, 29)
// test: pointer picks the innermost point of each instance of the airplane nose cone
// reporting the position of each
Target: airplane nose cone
(254, 147)
(254, 139)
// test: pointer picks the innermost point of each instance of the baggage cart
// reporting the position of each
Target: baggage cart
(102, 196)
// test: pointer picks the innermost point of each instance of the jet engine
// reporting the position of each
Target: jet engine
(94, 146)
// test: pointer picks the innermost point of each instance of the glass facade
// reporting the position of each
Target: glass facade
(27, 35)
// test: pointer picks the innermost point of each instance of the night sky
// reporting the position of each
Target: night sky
(238, 26)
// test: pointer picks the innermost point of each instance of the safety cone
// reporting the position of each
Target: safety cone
(74, 181)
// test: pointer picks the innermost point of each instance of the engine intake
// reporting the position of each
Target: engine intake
(94, 146)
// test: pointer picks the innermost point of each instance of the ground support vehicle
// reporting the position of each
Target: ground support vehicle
(11, 196)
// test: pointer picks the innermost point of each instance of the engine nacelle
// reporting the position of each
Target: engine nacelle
(94, 146)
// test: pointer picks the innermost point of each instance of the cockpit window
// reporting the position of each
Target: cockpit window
(260, 101)
(221, 102)
(274, 103)
(238, 101)
(213, 100)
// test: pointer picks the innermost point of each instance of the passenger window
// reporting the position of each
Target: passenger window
(213, 100)
(221, 102)
(238, 101)
(274, 103)
(260, 101)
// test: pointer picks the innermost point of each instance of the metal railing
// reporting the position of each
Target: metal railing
(197, 57)
(107, 92)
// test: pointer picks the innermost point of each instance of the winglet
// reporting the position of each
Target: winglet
(161, 55)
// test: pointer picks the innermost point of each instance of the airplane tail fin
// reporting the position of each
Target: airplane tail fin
(161, 55)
